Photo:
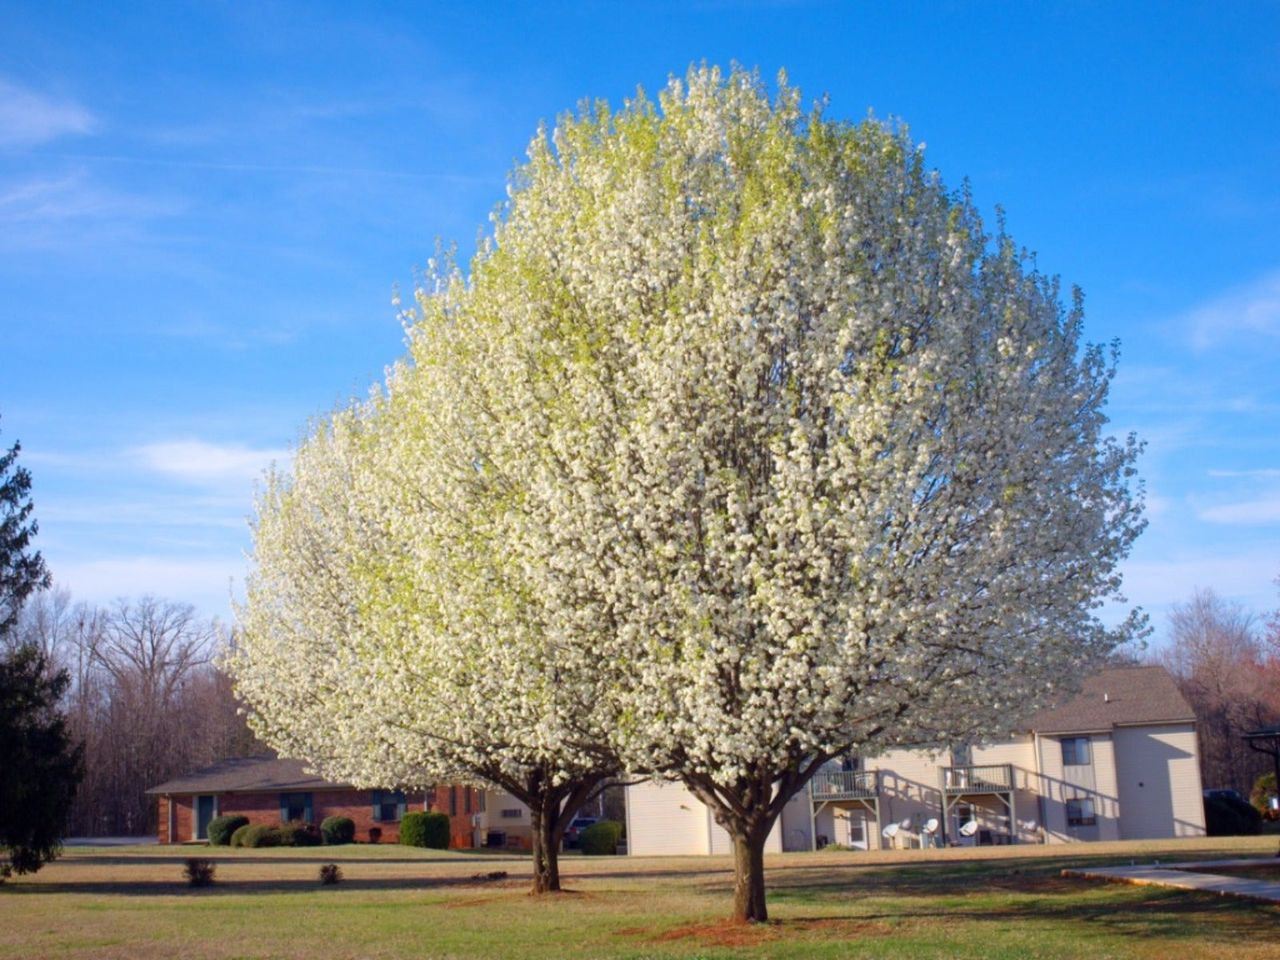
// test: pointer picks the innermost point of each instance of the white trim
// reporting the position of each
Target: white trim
(627, 812)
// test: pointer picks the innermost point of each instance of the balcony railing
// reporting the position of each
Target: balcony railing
(992, 778)
(844, 785)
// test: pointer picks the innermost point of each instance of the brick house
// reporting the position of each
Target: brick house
(272, 791)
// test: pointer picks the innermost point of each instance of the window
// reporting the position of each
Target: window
(453, 801)
(466, 799)
(388, 805)
(511, 813)
(295, 807)
(1080, 812)
(480, 797)
(1075, 752)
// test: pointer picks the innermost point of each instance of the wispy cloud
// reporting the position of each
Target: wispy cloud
(201, 463)
(207, 582)
(1262, 473)
(280, 169)
(1245, 574)
(1250, 310)
(74, 197)
(1263, 510)
(28, 118)
(158, 511)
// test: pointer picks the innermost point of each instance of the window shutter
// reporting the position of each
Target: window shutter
(307, 814)
(284, 808)
(400, 809)
(377, 806)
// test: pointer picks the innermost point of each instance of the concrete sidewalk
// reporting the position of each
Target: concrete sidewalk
(1191, 876)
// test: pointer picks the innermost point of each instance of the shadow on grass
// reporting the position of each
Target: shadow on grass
(179, 888)
(177, 859)
(1011, 891)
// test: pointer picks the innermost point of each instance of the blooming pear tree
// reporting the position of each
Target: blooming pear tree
(773, 426)
(742, 444)
(384, 640)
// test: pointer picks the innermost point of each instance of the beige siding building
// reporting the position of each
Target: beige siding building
(686, 824)
(1118, 761)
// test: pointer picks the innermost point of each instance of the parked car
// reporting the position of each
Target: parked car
(573, 833)
(1224, 794)
(1227, 814)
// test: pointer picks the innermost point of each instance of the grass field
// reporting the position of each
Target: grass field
(397, 902)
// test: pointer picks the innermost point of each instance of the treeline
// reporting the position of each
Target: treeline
(145, 698)
(1227, 664)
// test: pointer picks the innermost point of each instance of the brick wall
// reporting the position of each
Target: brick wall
(461, 804)
(264, 808)
(182, 819)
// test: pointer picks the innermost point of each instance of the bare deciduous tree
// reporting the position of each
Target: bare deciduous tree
(1221, 666)
(145, 698)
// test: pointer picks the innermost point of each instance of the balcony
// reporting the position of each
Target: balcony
(992, 778)
(828, 785)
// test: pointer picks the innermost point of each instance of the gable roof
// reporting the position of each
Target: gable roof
(1118, 697)
(265, 774)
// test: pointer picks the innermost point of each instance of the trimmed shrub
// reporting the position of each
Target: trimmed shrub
(221, 829)
(375, 834)
(298, 834)
(601, 838)
(237, 837)
(199, 872)
(429, 829)
(1264, 791)
(258, 835)
(1228, 816)
(330, 873)
(338, 830)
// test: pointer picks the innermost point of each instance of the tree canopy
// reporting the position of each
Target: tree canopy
(390, 640)
(739, 404)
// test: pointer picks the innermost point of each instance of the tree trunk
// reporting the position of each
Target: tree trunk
(546, 851)
(748, 877)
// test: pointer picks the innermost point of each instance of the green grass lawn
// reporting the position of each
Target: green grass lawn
(397, 902)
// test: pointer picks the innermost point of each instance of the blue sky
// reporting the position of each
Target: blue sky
(204, 209)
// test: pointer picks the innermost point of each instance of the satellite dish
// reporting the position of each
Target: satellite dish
(931, 825)
(968, 828)
(890, 831)
(905, 824)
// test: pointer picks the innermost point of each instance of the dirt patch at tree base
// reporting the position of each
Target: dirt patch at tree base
(732, 933)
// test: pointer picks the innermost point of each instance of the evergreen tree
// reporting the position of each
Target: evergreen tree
(41, 768)
(21, 571)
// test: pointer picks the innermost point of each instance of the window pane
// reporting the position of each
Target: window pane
(1080, 812)
(1075, 751)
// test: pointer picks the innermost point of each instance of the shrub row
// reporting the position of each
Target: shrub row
(237, 831)
(221, 829)
(601, 838)
(288, 835)
(430, 829)
(338, 830)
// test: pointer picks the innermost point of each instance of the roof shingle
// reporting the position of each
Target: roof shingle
(249, 775)
(1118, 696)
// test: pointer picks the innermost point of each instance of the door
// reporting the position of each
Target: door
(204, 813)
(857, 820)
